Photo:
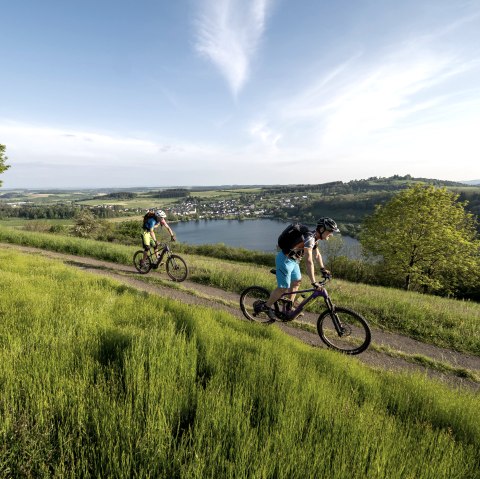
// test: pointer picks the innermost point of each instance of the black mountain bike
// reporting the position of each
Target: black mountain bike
(339, 328)
(175, 265)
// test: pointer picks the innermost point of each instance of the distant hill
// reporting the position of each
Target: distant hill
(472, 182)
(370, 185)
(350, 202)
(121, 195)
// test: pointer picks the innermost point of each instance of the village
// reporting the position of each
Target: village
(255, 206)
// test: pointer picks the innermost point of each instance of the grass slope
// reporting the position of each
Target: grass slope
(98, 380)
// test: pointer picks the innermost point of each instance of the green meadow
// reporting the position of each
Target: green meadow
(444, 322)
(99, 380)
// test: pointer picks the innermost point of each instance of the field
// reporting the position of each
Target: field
(134, 203)
(208, 194)
(99, 380)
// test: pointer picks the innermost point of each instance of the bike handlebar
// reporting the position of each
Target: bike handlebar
(164, 244)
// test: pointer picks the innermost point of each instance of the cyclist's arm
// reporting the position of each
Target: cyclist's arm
(172, 234)
(318, 257)
(152, 234)
(308, 253)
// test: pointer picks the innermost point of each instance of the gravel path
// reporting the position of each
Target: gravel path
(194, 293)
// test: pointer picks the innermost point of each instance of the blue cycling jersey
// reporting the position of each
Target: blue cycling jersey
(150, 223)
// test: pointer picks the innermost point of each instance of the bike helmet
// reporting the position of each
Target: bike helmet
(328, 224)
(160, 214)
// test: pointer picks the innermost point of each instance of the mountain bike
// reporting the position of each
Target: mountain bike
(175, 265)
(339, 328)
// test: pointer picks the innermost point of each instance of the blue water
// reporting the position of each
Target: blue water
(256, 235)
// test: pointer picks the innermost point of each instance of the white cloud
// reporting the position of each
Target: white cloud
(44, 156)
(228, 34)
(356, 103)
(268, 137)
(26, 142)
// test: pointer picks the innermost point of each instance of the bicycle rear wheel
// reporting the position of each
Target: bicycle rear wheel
(355, 336)
(177, 269)
(141, 265)
(250, 301)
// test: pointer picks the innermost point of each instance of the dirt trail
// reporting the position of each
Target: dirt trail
(194, 293)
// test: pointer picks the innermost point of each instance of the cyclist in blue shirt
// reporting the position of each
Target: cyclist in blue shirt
(287, 262)
(150, 223)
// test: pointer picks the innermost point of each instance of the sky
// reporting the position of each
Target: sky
(238, 92)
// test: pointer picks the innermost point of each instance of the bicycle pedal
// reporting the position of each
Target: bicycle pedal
(257, 306)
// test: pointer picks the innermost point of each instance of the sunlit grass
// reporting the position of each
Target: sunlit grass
(99, 380)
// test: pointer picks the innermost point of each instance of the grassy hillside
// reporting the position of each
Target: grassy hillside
(101, 381)
(445, 322)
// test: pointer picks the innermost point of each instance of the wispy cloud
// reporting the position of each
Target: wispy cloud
(228, 34)
(28, 142)
(354, 102)
(268, 137)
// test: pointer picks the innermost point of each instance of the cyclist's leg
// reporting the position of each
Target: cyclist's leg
(284, 267)
(275, 295)
(154, 245)
(296, 279)
(146, 238)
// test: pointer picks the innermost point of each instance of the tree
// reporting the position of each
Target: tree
(86, 224)
(3, 159)
(425, 240)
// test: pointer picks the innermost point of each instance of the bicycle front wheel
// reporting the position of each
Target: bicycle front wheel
(354, 336)
(141, 265)
(177, 269)
(251, 300)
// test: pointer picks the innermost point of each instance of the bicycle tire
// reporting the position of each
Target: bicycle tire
(141, 265)
(247, 299)
(357, 336)
(177, 269)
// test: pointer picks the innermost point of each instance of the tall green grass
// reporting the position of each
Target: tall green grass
(445, 322)
(68, 244)
(98, 380)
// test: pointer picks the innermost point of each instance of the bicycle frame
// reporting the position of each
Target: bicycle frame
(316, 292)
(163, 249)
(292, 313)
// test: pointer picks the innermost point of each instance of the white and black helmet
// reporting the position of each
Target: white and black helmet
(160, 214)
(328, 224)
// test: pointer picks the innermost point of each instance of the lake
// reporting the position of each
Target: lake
(256, 235)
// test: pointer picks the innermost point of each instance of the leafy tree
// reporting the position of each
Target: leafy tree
(128, 231)
(3, 159)
(86, 224)
(425, 241)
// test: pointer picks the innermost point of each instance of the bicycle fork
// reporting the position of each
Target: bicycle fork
(335, 319)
